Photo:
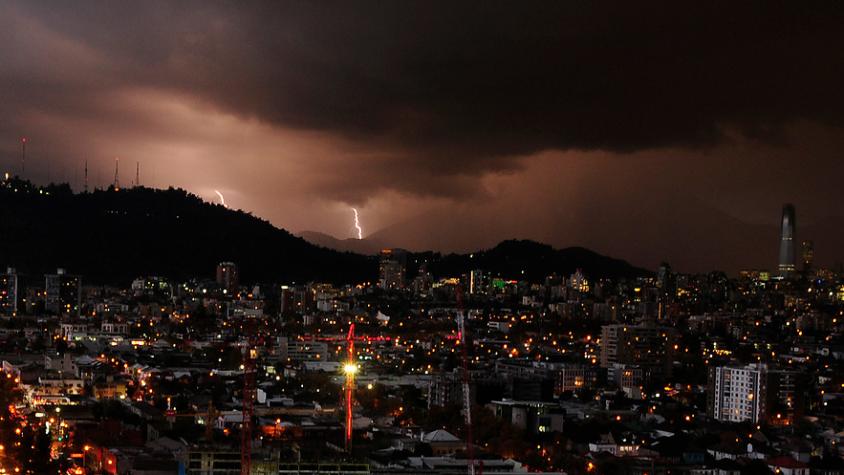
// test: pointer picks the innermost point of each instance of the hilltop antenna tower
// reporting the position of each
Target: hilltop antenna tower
(137, 173)
(23, 155)
(116, 183)
(86, 176)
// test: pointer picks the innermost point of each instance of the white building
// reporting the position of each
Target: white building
(737, 394)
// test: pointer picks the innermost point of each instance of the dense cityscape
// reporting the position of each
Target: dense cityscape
(421, 237)
(664, 373)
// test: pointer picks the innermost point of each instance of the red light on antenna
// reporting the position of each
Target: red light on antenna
(23, 139)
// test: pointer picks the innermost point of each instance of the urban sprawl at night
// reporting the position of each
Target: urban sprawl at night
(421, 237)
(661, 372)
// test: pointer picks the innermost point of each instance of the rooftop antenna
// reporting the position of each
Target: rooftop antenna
(86, 176)
(137, 173)
(23, 155)
(116, 173)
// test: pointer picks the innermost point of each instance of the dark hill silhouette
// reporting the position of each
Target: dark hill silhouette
(114, 236)
(111, 237)
(507, 259)
(531, 260)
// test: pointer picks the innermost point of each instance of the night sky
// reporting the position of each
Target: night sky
(644, 130)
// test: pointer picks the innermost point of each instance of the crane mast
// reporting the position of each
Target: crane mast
(467, 396)
(349, 369)
(248, 409)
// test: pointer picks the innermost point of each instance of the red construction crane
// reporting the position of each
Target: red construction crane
(248, 402)
(467, 396)
(350, 369)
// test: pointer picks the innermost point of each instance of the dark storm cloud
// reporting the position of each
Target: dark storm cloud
(464, 87)
(602, 124)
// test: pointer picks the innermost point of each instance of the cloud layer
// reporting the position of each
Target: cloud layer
(299, 109)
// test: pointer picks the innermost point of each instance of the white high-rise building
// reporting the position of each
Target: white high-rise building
(737, 394)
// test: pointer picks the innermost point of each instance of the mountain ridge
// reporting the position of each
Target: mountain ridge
(112, 237)
(696, 238)
(508, 258)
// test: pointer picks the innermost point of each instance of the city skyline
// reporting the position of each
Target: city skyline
(421, 237)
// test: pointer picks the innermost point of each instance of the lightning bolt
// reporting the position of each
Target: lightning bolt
(357, 224)
(222, 200)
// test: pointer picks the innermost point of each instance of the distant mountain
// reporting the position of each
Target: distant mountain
(360, 246)
(511, 259)
(114, 236)
(694, 237)
(517, 259)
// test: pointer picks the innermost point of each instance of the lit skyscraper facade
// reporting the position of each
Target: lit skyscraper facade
(786, 263)
(392, 268)
(62, 293)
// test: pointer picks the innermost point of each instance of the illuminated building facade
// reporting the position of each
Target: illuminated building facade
(574, 377)
(788, 394)
(578, 282)
(296, 299)
(647, 345)
(63, 293)
(9, 293)
(391, 269)
(477, 282)
(737, 394)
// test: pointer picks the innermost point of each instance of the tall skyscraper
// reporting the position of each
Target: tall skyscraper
(787, 230)
(392, 268)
